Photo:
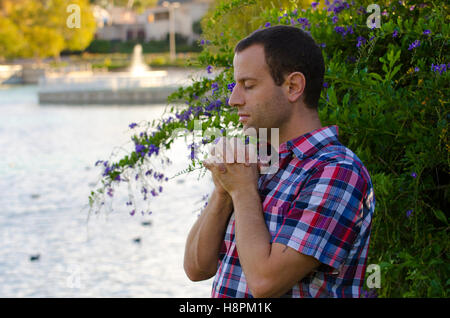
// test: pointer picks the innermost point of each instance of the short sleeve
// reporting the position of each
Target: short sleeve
(324, 219)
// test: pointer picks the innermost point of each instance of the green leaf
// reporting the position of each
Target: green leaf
(440, 216)
(376, 76)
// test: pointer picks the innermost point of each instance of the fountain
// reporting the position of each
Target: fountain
(138, 85)
(138, 67)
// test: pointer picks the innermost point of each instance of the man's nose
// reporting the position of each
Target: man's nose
(236, 98)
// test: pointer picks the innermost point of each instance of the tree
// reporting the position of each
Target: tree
(39, 29)
(11, 39)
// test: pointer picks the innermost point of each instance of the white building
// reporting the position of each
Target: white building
(153, 24)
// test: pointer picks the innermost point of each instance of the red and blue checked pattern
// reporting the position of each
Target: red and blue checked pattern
(320, 203)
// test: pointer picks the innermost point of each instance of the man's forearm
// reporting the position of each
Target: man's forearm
(252, 236)
(205, 238)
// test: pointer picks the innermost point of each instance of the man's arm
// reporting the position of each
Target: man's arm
(206, 236)
(270, 269)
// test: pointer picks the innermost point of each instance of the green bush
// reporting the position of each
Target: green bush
(387, 90)
(153, 46)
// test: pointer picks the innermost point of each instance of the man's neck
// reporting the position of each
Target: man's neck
(300, 124)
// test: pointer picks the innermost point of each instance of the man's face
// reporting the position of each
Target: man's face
(260, 102)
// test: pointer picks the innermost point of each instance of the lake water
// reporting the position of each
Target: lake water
(46, 174)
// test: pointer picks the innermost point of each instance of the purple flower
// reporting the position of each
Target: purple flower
(140, 149)
(209, 68)
(193, 148)
(197, 110)
(108, 169)
(343, 30)
(325, 84)
(314, 4)
(322, 45)
(214, 87)
(153, 150)
(416, 69)
(340, 30)
(185, 116)
(132, 212)
(334, 19)
(267, 25)
(337, 6)
(361, 10)
(361, 41)
(231, 86)
(441, 68)
(132, 125)
(414, 175)
(168, 120)
(427, 32)
(304, 22)
(414, 45)
(214, 105)
(395, 34)
(408, 213)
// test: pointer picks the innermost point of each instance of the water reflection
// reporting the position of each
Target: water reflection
(46, 167)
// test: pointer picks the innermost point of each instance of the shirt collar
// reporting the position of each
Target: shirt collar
(308, 144)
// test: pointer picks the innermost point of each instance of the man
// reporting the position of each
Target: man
(304, 230)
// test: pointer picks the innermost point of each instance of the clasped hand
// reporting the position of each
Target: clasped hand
(233, 165)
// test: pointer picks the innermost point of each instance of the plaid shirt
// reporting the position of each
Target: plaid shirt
(320, 203)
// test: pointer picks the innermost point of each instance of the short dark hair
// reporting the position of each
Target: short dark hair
(289, 49)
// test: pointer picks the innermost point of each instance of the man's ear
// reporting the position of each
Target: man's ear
(295, 83)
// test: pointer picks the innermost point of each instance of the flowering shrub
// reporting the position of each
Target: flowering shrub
(385, 87)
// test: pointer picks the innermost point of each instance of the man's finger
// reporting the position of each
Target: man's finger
(224, 150)
(251, 153)
(240, 151)
(212, 166)
(207, 164)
